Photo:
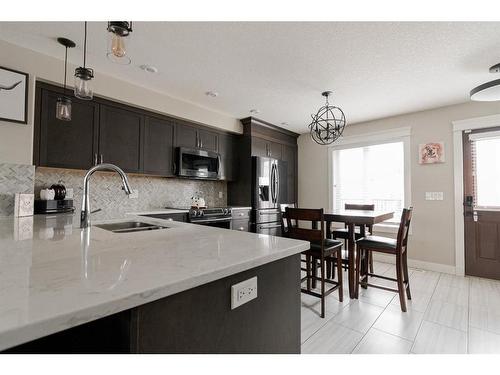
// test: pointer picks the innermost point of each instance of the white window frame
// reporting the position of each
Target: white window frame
(369, 139)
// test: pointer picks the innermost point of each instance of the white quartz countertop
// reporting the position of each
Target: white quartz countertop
(54, 275)
(160, 211)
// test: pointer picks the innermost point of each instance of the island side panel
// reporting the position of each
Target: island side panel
(200, 320)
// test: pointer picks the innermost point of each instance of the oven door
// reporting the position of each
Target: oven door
(224, 222)
(198, 163)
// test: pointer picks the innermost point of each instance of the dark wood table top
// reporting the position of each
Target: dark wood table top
(358, 216)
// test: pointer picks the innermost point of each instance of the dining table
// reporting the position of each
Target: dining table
(353, 218)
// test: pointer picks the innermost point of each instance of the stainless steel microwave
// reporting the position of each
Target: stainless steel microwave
(197, 163)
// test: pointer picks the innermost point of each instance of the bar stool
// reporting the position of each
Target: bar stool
(322, 249)
(397, 247)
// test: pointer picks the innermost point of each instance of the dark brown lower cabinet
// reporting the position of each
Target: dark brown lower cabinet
(199, 320)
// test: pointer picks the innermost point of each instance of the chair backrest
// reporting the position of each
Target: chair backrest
(363, 207)
(404, 227)
(284, 226)
(294, 215)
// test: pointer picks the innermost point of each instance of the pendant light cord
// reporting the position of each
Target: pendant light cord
(65, 67)
(85, 45)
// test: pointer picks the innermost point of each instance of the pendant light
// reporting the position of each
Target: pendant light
(119, 41)
(328, 123)
(63, 104)
(84, 75)
(489, 91)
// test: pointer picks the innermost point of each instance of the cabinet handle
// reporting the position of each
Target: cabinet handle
(102, 160)
(201, 143)
(95, 159)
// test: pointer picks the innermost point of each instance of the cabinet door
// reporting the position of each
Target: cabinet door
(259, 147)
(158, 146)
(207, 139)
(227, 155)
(120, 137)
(67, 144)
(289, 154)
(274, 150)
(186, 136)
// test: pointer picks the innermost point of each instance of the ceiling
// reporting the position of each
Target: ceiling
(374, 69)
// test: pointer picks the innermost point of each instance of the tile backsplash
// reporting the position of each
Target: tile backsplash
(154, 192)
(14, 178)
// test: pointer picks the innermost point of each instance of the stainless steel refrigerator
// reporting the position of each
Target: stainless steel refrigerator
(269, 185)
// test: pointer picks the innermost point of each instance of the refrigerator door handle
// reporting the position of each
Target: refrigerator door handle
(273, 182)
(277, 181)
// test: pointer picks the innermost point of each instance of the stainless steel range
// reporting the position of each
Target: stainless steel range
(214, 217)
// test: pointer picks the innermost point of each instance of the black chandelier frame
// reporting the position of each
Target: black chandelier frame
(328, 123)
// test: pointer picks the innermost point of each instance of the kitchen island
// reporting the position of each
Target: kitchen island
(66, 289)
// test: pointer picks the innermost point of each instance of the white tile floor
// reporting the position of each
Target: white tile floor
(447, 314)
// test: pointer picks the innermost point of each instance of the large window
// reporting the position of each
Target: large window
(372, 172)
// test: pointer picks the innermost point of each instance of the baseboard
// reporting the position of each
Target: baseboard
(428, 266)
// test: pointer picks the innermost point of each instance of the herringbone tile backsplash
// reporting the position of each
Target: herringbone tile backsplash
(154, 192)
(14, 178)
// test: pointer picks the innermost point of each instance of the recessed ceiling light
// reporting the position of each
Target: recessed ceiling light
(149, 68)
(212, 94)
(254, 111)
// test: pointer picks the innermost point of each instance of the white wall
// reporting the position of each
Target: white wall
(433, 221)
(16, 140)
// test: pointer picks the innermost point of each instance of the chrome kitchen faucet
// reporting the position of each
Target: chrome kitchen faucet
(85, 214)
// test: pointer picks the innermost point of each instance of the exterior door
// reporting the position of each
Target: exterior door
(482, 202)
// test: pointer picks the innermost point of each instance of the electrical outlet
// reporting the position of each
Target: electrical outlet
(220, 194)
(243, 292)
(134, 194)
(434, 195)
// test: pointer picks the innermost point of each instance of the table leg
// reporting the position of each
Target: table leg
(364, 262)
(352, 261)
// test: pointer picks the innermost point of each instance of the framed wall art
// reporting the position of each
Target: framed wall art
(431, 153)
(13, 96)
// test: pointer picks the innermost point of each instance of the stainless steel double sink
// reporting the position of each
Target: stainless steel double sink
(130, 226)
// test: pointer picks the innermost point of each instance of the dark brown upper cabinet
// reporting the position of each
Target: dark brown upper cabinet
(195, 137)
(158, 146)
(289, 154)
(266, 148)
(227, 144)
(65, 144)
(186, 136)
(136, 140)
(120, 138)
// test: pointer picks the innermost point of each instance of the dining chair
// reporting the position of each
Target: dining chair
(321, 249)
(343, 233)
(284, 227)
(397, 247)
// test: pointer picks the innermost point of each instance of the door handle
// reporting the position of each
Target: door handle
(101, 160)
